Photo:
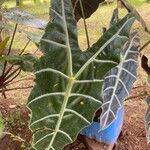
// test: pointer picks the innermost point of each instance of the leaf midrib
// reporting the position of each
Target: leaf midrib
(62, 111)
(71, 79)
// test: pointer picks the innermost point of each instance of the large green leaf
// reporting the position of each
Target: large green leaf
(89, 7)
(115, 17)
(118, 81)
(69, 81)
(26, 61)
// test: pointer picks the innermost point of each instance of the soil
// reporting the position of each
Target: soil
(16, 125)
(133, 136)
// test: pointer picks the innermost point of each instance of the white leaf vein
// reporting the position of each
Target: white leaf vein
(86, 96)
(46, 95)
(66, 134)
(77, 114)
(41, 139)
(52, 70)
(44, 118)
(88, 81)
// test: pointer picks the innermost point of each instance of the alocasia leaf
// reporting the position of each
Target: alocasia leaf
(147, 120)
(26, 61)
(115, 17)
(119, 80)
(89, 7)
(69, 81)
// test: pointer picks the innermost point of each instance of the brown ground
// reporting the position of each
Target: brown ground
(16, 124)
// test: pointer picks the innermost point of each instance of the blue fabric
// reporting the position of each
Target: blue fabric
(110, 134)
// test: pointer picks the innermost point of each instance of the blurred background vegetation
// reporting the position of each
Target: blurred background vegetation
(40, 9)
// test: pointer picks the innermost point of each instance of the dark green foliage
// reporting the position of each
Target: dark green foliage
(69, 81)
(89, 7)
(26, 61)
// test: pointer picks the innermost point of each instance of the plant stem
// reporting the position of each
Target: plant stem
(144, 46)
(24, 79)
(10, 47)
(62, 111)
(36, 51)
(11, 74)
(75, 5)
(19, 55)
(85, 25)
(5, 83)
(25, 47)
(69, 53)
(12, 40)
(18, 88)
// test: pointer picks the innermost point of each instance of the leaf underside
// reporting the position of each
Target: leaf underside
(118, 81)
(69, 81)
(89, 8)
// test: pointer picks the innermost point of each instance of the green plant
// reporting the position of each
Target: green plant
(12, 65)
(70, 84)
(69, 81)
